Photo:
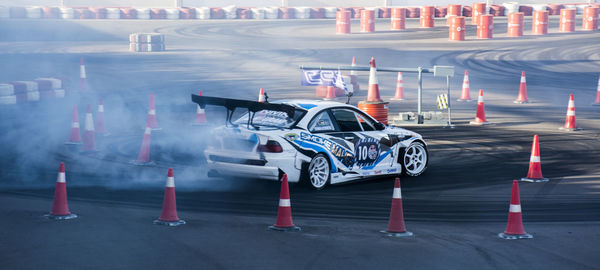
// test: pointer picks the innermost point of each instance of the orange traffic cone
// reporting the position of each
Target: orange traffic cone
(535, 164)
(144, 156)
(514, 228)
(399, 88)
(82, 76)
(353, 72)
(597, 102)
(284, 212)
(200, 115)
(261, 96)
(89, 137)
(480, 116)
(570, 123)
(354, 78)
(100, 123)
(151, 120)
(373, 92)
(522, 98)
(168, 216)
(330, 93)
(465, 96)
(396, 223)
(60, 207)
(75, 137)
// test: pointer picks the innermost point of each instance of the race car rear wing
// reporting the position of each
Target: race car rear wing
(252, 106)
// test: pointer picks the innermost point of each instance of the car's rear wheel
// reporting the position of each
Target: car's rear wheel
(318, 171)
(414, 159)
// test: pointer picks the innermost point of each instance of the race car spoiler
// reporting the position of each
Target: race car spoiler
(252, 106)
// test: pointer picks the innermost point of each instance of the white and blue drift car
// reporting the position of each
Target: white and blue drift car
(320, 142)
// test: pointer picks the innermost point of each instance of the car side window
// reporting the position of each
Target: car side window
(346, 120)
(321, 122)
(365, 122)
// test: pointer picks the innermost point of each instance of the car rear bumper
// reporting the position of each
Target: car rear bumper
(251, 165)
(253, 171)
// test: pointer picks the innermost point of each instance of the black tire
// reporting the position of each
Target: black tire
(414, 159)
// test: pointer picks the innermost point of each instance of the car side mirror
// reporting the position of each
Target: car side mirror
(379, 126)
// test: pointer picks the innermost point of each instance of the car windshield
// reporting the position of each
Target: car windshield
(271, 119)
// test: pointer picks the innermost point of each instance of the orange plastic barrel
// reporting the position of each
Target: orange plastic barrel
(356, 12)
(485, 28)
(567, 20)
(215, 13)
(453, 10)
(158, 13)
(398, 18)
(441, 12)
(413, 12)
(187, 13)
(385, 12)
(540, 23)
(456, 30)
(367, 21)
(317, 13)
(50, 13)
(515, 24)
(427, 15)
(478, 9)
(377, 110)
(128, 13)
(84, 13)
(342, 22)
(288, 13)
(99, 13)
(590, 18)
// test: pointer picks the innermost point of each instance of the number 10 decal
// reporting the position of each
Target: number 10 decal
(366, 152)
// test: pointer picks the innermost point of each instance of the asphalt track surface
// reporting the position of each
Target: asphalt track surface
(455, 209)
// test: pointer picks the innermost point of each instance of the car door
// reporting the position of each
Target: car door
(324, 135)
(366, 141)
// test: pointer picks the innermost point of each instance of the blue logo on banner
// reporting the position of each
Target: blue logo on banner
(318, 77)
(324, 78)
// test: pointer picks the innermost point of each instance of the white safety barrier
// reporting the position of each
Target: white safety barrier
(29, 85)
(34, 12)
(67, 13)
(258, 13)
(510, 7)
(539, 7)
(28, 89)
(143, 13)
(113, 13)
(202, 13)
(54, 83)
(6, 89)
(271, 12)
(4, 12)
(25, 91)
(50, 88)
(302, 12)
(230, 12)
(146, 42)
(330, 12)
(8, 99)
(580, 8)
(172, 13)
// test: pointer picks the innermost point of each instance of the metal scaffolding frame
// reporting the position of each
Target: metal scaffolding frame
(437, 71)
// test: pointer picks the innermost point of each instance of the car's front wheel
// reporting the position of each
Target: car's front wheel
(318, 172)
(414, 159)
